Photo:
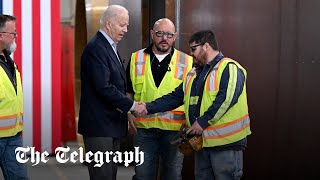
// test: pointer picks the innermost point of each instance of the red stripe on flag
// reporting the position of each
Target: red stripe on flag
(56, 74)
(36, 74)
(18, 52)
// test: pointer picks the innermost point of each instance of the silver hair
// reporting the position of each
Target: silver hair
(111, 12)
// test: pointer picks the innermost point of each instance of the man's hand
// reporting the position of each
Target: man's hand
(140, 109)
(195, 129)
(132, 124)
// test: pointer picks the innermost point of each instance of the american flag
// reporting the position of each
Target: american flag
(38, 57)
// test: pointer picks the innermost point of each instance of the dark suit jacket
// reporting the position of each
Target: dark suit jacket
(103, 105)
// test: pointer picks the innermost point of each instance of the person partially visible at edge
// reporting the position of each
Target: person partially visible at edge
(215, 101)
(152, 72)
(104, 104)
(11, 103)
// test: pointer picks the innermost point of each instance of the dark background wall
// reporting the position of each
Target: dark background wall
(131, 42)
(278, 43)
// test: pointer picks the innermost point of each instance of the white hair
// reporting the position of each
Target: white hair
(111, 12)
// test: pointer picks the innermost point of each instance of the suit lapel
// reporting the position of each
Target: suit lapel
(112, 55)
(121, 60)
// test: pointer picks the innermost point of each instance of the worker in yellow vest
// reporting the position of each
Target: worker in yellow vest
(215, 101)
(11, 102)
(152, 73)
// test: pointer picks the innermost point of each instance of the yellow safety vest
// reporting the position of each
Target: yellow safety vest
(145, 89)
(11, 105)
(233, 124)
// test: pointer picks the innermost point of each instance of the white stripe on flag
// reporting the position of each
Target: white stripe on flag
(46, 71)
(7, 7)
(27, 71)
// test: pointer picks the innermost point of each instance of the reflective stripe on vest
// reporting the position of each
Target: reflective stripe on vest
(180, 70)
(170, 117)
(231, 90)
(11, 105)
(21, 119)
(188, 79)
(213, 77)
(181, 66)
(228, 125)
(8, 122)
(140, 63)
(174, 117)
(146, 90)
(224, 130)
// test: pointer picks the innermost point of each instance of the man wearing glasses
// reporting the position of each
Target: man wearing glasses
(11, 102)
(215, 100)
(152, 73)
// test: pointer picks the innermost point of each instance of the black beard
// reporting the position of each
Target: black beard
(161, 49)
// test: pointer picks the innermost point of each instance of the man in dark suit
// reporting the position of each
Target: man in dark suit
(104, 105)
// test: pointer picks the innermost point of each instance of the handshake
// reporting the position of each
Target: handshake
(140, 109)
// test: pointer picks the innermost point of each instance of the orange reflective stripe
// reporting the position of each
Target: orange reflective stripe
(185, 69)
(177, 117)
(174, 116)
(216, 76)
(136, 61)
(212, 83)
(171, 121)
(140, 62)
(227, 129)
(7, 127)
(8, 123)
(177, 67)
(160, 119)
(208, 88)
(181, 65)
(187, 85)
(8, 117)
(189, 77)
(227, 134)
(145, 55)
(228, 124)
(140, 119)
(216, 80)
(170, 117)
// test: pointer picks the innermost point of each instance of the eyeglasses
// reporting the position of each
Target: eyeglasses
(161, 34)
(194, 47)
(13, 33)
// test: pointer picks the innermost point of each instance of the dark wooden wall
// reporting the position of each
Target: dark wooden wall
(277, 41)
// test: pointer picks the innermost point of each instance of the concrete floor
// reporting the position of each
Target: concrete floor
(53, 170)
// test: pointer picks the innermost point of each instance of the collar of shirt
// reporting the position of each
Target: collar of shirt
(6, 56)
(111, 42)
